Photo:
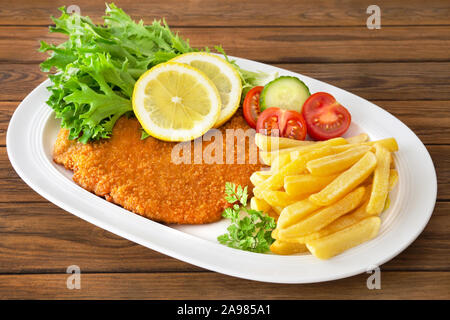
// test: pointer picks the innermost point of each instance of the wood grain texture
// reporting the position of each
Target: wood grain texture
(240, 13)
(433, 129)
(207, 285)
(35, 233)
(301, 45)
(403, 68)
(12, 188)
(372, 81)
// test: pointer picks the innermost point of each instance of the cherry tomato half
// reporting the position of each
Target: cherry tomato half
(251, 106)
(325, 117)
(289, 123)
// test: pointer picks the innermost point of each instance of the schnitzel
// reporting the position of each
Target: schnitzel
(140, 176)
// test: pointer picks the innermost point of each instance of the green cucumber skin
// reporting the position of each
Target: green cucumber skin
(262, 102)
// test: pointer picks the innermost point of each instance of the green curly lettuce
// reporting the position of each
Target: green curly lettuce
(97, 67)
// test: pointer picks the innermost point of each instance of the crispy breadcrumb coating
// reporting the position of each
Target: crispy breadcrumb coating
(139, 175)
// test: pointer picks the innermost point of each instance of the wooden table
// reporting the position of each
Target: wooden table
(404, 67)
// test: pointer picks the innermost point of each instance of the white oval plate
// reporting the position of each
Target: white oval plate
(32, 133)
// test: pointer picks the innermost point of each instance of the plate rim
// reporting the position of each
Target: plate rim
(12, 155)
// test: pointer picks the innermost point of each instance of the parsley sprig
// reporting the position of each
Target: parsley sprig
(251, 232)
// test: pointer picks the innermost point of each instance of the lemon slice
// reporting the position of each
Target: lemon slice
(224, 76)
(176, 102)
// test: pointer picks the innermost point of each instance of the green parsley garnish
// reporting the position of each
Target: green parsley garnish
(251, 232)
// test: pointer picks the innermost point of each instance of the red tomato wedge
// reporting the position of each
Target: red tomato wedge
(325, 117)
(251, 106)
(288, 123)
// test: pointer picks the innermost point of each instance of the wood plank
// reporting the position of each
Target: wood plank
(39, 237)
(383, 81)
(241, 13)
(372, 81)
(432, 129)
(300, 45)
(12, 188)
(17, 80)
(179, 286)
(46, 238)
(441, 159)
(428, 119)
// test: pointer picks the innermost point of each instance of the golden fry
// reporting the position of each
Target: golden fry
(324, 217)
(341, 223)
(296, 166)
(336, 163)
(269, 143)
(393, 179)
(387, 204)
(389, 143)
(258, 176)
(305, 184)
(336, 243)
(363, 137)
(299, 151)
(277, 198)
(346, 181)
(286, 248)
(276, 235)
(280, 161)
(268, 157)
(296, 212)
(277, 209)
(380, 186)
(259, 205)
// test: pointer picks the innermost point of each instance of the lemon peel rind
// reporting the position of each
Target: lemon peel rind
(170, 134)
(229, 71)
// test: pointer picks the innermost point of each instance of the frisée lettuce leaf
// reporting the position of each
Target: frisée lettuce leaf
(93, 73)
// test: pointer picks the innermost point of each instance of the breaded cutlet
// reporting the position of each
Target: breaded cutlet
(140, 176)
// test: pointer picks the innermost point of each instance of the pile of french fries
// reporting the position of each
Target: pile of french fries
(326, 196)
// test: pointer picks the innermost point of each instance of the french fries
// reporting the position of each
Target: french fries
(277, 209)
(296, 166)
(346, 181)
(295, 152)
(393, 179)
(341, 223)
(389, 143)
(269, 143)
(326, 196)
(363, 137)
(286, 248)
(329, 246)
(259, 205)
(323, 217)
(280, 162)
(299, 151)
(259, 176)
(305, 184)
(380, 187)
(277, 198)
(336, 163)
(296, 212)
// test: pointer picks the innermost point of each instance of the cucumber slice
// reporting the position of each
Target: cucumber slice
(284, 92)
